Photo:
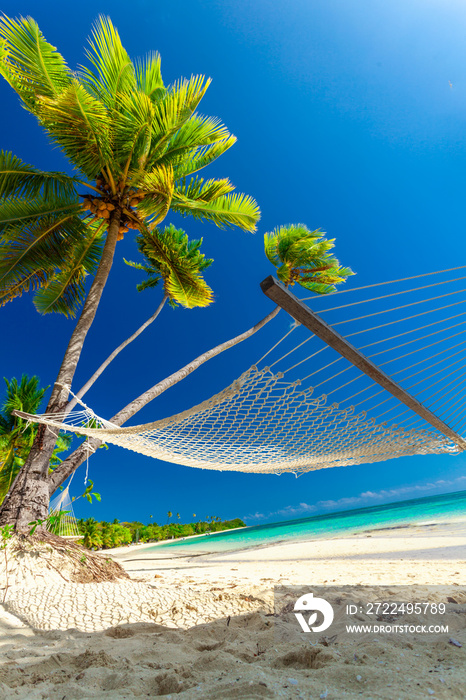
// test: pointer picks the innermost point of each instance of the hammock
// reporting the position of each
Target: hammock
(65, 525)
(270, 421)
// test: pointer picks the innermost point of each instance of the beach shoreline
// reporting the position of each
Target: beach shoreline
(206, 625)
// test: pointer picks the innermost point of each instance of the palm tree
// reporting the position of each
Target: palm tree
(303, 256)
(300, 256)
(177, 262)
(169, 515)
(17, 436)
(136, 146)
(91, 532)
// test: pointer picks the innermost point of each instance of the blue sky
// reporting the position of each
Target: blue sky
(349, 117)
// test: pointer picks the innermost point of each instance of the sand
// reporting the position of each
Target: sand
(202, 627)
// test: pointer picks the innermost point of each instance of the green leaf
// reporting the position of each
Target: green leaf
(194, 160)
(35, 524)
(303, 256)
(65, 293)
(79, 123)
(41, 239)
(228, 210)
(158, 186)
(18, 179)
(149, 77)
(177, 261)
(112, 70)
(31, 65)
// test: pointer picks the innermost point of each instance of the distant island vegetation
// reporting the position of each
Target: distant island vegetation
(106, 535)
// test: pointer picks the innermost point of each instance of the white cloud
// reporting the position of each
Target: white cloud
(363, 499)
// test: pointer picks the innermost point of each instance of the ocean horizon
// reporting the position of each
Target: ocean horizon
(420, 511)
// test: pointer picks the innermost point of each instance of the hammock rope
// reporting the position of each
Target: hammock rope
(265, 423)
(61, 506)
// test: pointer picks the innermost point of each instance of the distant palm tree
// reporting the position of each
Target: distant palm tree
(92, 536)
(178, 516)
(303, 256)
(169, 516)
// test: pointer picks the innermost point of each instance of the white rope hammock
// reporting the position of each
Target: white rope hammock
(61, 506)
(271, 421)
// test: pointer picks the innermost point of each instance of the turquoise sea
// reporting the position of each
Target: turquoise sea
(430, 509)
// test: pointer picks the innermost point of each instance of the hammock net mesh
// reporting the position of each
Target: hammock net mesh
(303, 407)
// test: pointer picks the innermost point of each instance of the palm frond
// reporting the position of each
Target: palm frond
(18, 213)
(18, 179)
(16, 435)
(302, 256)
(79, 123)
(149, 76)
(187, 288)
(10, 465)
(158, 186)
(193, 160)
(33, 251)
(173, 110)
(198, 189)
(227, 210)
(31, 65)
(153, 276)
(200, 139)
(178, 262)
(24, 395)
(113, 69)
(63, 444)
(132, 131)
(196, 132)
(65, 293)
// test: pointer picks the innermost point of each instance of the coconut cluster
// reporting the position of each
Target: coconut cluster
(101, 207)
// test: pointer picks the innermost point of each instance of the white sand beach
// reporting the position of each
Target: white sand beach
(199, 627)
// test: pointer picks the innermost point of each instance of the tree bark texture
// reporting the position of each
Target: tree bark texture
(28, 499)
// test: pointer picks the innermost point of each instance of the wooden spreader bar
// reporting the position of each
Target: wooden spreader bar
(277, 291)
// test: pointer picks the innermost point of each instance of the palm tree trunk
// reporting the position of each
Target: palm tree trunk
(29, 498)
(111, 357)
(71, 463)
(132, 408)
